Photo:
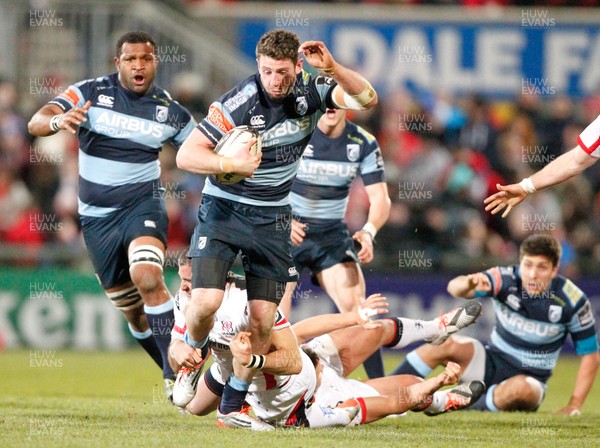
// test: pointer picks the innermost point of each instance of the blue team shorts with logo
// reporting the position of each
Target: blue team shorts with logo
(260, 234)
(107, 239)
(325, 244)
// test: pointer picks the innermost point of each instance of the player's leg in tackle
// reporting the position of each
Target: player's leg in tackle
(417, 395)
(354, 344)
(345, 284)
(264, 295)
(209, 276)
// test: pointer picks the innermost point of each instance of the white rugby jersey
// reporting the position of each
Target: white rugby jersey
(231, 318)
(589, 139)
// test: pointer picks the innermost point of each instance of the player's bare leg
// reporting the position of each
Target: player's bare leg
(424, 359)
(200, 313)
(205, 401)
(410, 392)
(345, 284)
(355, 344)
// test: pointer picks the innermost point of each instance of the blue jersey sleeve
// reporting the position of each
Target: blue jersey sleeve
(76, 95)
(582, 328)
(371, 166)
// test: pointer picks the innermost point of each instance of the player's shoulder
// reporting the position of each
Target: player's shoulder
(568, 291)
(93, 85)
(503, 277)
(240, 96)
(318, 80)
(361, 133)
(164, 98)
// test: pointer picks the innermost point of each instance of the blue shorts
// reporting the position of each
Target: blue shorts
(107, 239)
(325, 244)
(499, 368)
(260, 234)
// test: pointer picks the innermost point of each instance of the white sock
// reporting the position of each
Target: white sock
(438, 404)
(416, 330)
(321, 416)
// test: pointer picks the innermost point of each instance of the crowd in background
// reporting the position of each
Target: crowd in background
(443, 156)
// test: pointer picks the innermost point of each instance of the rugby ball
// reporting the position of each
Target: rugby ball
(230, 144)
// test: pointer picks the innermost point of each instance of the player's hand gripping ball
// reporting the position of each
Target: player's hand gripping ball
(230, 144)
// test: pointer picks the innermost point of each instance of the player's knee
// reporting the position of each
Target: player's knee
(146, 268)
(523, 393)
(147, 278)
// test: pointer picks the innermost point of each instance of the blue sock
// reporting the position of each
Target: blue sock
(234, 394)
(161, 321)
(486, 401)
(148, 343)
(374, 365)
(413, 365)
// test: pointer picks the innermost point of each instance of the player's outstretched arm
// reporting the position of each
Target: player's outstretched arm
(353, 90)
(325, 323)
(559, 170)
(50, 119)
(197, 155)
(467, 286)
(588, 368)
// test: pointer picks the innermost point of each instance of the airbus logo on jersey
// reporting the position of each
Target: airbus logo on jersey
(523, 327)
(316, 168)
(272, 136)
(257, 121)
(110, 123)
(308, 152)
(106, 101)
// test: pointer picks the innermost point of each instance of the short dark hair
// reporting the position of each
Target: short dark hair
(314, 358)
(184, 260)
(279, 45)
(134, 37)
(541, 244)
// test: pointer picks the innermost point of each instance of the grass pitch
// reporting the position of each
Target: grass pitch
(77, 399)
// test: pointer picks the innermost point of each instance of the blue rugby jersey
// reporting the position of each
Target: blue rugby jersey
(328, 167)
(532, 330)
(285, 127)
(120, 142)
